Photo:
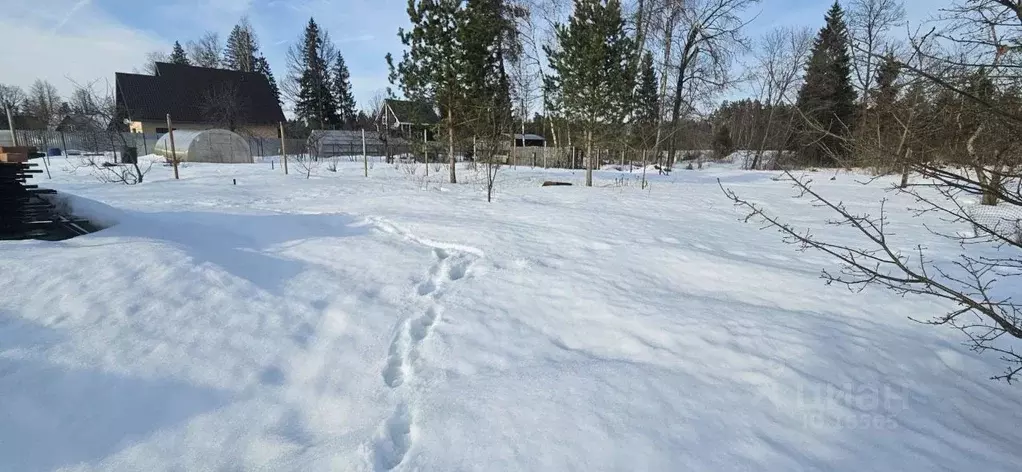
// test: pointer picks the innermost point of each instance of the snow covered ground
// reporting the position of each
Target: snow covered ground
(394, 322)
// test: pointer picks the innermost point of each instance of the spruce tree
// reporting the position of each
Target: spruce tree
(430, 67)
(647, 102)
(827, 98)
(262, 66)
(886, 90)
(242, 48)
(178, 56)
(315, 104)
(342, 91)
(592, 70)
(882, 117)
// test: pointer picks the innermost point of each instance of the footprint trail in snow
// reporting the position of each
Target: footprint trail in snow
(451, 263)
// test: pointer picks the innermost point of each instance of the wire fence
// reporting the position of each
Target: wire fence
(396, 150)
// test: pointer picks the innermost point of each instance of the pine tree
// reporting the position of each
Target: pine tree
(178, 55)
(592, 70)
(242, 48)
(342, 92)
(647, 102)
(488, 45)
(429, 70)
(315, 104)
(827, 98)
(262, 66)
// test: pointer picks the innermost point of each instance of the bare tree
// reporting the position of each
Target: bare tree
(976, 155)
(151, 58)
(226, 107)
(868, 24)
(307, 157)
(12, 97)
(206, 51)
(107, 116)
(44, 102)
(781, 57)
(710, 37)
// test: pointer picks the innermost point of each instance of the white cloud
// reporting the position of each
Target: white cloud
(71, 13)
(85, 46)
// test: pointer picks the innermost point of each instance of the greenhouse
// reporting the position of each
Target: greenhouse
(211, 145)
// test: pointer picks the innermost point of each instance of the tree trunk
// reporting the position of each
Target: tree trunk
(589, 158)
(687, 53)
(643, 168)
(662, 97)
(571, 150)
(762, 143)
(450, 144)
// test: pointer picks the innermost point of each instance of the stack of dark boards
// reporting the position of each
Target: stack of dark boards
(25, 214)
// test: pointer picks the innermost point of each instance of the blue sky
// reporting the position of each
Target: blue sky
(80, 41)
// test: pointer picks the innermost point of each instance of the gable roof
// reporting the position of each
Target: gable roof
(80, 122)
(412, 112)
(182, 91)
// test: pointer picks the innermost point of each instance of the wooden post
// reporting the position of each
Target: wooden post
(10, 125)
(283, 147)
(425, 151)
(365, 157)
(113, 146)
(544, 148)
(173, 150)
(63, 142)
(47, 166)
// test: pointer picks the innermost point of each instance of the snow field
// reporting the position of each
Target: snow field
(400, 323)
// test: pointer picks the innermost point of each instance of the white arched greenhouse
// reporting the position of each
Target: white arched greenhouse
(209, 145)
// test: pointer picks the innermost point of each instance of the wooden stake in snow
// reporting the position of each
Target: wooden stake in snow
(365, 157)
(10, 125)
(425, 151)
(173, 151)
(283, 147)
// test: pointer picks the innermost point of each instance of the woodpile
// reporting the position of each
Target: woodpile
(24, 213)
(14, 153)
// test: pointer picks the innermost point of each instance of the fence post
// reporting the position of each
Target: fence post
(173, 150)
(63, 142)
(283, 147)
(365, 157)
(425, 151)
(10, 125)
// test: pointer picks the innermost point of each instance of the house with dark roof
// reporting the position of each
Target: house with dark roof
(198, 98)
(408, 119)
(81, 122)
